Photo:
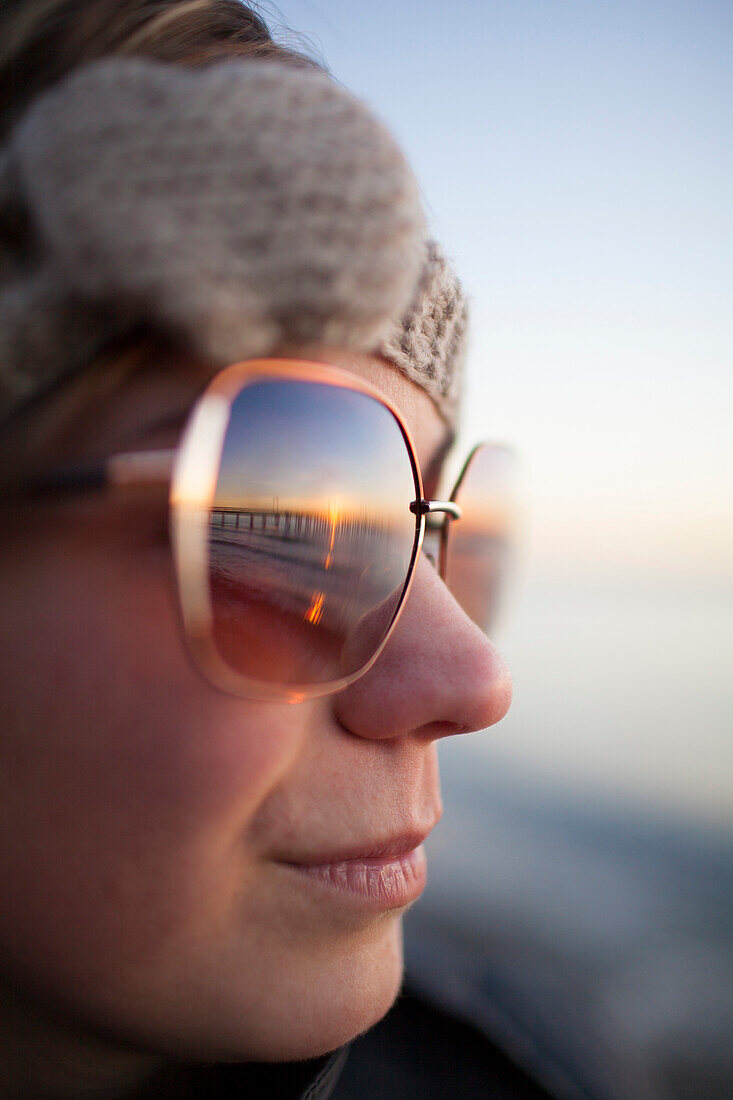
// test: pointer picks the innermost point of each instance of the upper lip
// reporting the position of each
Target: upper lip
(385, 848)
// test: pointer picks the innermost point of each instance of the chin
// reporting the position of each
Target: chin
(289, 1005)
(344, 998)
(348, 1002)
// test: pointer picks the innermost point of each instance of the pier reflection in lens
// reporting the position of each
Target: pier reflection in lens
(310, 531)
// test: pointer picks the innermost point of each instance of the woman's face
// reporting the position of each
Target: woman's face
(183, 866)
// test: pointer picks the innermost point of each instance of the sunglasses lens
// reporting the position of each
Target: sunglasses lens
(478, 547)
(310, 533)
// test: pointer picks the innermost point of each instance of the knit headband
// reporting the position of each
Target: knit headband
(236, 208)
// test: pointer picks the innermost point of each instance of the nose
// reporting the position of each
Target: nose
(438, 675)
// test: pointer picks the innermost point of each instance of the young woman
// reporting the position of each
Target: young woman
(218, 763)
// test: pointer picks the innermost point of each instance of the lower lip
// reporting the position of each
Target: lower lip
(386, 882)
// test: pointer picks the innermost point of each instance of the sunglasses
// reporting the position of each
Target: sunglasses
(297, 516)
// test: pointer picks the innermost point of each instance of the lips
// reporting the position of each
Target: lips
(381, 875)
(390, 848)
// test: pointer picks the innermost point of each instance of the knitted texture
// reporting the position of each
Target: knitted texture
(236, 209)
(428, 344)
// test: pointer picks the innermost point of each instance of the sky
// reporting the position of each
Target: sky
(576, 161)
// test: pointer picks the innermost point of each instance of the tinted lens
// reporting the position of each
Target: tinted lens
(310, 532)
(478, 546)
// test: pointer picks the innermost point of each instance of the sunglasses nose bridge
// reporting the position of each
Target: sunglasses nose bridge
(434, 507)
(437, 516)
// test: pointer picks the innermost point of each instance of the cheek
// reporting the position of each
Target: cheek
(127, 783)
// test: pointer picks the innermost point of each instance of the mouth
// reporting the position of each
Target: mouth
(378, 877)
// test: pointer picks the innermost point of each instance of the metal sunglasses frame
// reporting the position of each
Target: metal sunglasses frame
(192, 469)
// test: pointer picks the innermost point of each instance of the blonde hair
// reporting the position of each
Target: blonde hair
(41, 41)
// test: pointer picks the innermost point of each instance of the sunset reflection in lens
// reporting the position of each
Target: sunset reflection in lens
(477, 548)
(310, 532)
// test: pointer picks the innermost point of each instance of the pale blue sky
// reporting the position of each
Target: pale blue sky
(576, 159)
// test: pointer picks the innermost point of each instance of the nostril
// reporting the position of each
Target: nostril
(434, 730)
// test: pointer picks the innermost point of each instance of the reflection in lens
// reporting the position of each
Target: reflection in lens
(310, 532)
(478, 547)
